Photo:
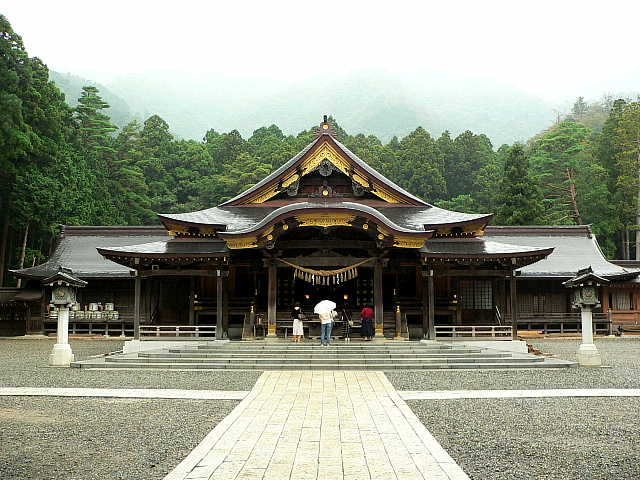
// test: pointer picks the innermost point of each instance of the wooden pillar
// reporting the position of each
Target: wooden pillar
(514, 306)
(136, 307)
(272, 292)
(219, 304)
(192, 313)
(377, 297)
(431, 332)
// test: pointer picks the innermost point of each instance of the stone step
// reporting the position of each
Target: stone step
(342, 350)
(314, 361)
(178, 355)
(326, 366)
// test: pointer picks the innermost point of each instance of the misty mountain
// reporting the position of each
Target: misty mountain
(366, 101)
(71, 86)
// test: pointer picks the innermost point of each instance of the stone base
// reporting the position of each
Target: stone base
(61, 355)
(588, 355)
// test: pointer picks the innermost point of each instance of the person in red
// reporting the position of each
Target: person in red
(367, 330)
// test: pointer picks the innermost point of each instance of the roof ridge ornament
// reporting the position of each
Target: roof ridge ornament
(326, 128)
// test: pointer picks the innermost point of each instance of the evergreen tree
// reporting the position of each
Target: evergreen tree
(519, 199)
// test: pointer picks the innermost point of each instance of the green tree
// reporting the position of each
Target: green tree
(628, 144)
(519, 199)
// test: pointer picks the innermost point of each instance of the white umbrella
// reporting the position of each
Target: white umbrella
(325, 306)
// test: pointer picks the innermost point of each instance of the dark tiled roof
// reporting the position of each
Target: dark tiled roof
(244, 218)
(374, 173)
(575, 247)
(77, 246)
(234, 218)
(276, 173)
(363, 165)
(429, 217)
(478, 247)
(168, 248)
(303, 207)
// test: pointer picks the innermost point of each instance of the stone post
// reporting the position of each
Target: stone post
(585, 297)
(588, 355)
(62, 355)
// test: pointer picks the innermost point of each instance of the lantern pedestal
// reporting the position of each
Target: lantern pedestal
(588, 355)
(62, 355)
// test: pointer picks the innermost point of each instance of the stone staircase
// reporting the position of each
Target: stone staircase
(278, 355)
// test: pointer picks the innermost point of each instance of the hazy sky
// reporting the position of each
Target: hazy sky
(551, 48)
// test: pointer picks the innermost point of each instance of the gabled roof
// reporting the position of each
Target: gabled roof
(352, 165)
(575, 248)
(77, 250)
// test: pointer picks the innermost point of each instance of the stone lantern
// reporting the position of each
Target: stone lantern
(585, 296)
(63, 294)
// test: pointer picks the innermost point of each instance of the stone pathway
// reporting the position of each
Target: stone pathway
(320, 425)
(125, 393)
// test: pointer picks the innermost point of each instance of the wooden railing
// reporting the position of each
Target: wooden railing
(570, 322)
(499, 332)
(150, 331)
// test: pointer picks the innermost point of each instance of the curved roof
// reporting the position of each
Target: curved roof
(169, 248)
(479, 247)
(575, 248)
(77, 250)
(293, 209)
(239, 218)
(293, 163)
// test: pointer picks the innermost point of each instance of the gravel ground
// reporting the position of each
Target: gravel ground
(621, 354)
(97, 438)
(538, 439)
(24, 364)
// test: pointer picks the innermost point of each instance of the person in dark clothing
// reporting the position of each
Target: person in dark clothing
(367, 330)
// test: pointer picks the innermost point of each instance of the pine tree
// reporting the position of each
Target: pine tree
(519, 201)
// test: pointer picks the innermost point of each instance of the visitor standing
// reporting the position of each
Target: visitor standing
(366, 327)
(326, 310)
(326, 325)
(297, 317)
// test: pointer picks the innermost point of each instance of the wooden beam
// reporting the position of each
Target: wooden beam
(514, 307)
(136, 309)
(310, 261)
(272, 290)
(473, 273)
(318, 245)
(192, 313)
(166, 272)
(377, 297)
(431, 329)
(219, 306)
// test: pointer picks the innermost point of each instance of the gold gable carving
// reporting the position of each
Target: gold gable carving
(326, 150)
(408, 242)
(325, 220)
(243, 242)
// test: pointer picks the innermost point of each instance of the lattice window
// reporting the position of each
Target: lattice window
(466, 293)
(476, 294)
(621, 300)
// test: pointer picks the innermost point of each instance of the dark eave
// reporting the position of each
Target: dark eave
(479, 248)
(170, 248)
(302, 208)
(248, 218)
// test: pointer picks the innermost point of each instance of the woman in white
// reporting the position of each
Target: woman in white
(298, 329)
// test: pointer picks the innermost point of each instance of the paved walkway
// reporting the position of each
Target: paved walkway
(320, 425)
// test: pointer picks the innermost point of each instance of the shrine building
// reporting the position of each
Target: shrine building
(326, 225)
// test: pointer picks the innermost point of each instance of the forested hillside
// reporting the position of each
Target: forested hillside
(370, 101)
(73, 165)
